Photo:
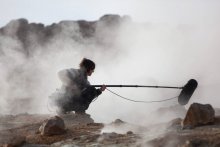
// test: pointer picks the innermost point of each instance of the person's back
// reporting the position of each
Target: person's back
(76, 94)
(73, 81)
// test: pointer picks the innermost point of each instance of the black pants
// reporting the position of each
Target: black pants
(81, 103)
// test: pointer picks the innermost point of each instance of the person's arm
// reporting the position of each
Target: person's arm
(100, 90)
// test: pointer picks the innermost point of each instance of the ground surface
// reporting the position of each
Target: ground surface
(22, 130)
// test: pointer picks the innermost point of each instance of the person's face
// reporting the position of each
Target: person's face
(89, 73)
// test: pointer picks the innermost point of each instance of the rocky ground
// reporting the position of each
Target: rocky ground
(81, 130)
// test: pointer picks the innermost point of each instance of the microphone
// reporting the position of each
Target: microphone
(187, 91)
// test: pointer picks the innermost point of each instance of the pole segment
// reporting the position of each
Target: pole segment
(138, 86)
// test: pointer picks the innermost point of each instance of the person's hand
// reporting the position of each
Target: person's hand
(103, 88)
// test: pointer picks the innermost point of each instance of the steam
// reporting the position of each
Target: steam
(125, 52)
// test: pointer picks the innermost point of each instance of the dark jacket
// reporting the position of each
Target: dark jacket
(75, 93)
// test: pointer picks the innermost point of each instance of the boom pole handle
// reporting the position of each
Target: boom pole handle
(138, 86)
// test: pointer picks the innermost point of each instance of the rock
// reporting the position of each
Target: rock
(53, 126)
(118, 122)
(87, 29)
(217, 120)
(129, 133)
(175, 123)
(12, 141)
(75, 119)
(197, 143)
(198, 114)
(111, 19)
(110, 135)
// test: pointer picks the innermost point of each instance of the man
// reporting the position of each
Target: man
(76, 94)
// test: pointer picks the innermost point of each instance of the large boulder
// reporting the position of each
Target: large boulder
(199, 114)
(53, 126)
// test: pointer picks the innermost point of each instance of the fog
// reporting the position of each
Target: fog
(157, 54)
(134, 53)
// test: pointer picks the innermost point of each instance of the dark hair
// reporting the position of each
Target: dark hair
(87, 64)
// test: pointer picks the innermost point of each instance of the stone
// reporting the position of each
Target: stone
(12, 141)
(52, 126)
(175, 123)
(196, 143)
(198, 114)
(129, 133)
(217, 120)
(118, 122)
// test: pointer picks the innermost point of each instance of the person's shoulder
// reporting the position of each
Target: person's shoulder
(73, 71)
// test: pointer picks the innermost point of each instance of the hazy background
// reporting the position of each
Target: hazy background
(167, 43)
(171, 11)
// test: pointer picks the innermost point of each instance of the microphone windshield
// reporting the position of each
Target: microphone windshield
(187, 91)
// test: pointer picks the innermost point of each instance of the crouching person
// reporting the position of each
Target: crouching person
(76, 93)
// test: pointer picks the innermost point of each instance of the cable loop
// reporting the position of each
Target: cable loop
(141, 101)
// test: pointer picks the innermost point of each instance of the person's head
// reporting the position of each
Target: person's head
(88, 65)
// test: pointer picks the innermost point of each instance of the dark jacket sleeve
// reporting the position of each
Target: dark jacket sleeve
(98, 92)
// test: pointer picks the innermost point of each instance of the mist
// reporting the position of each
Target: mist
(125, 52)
